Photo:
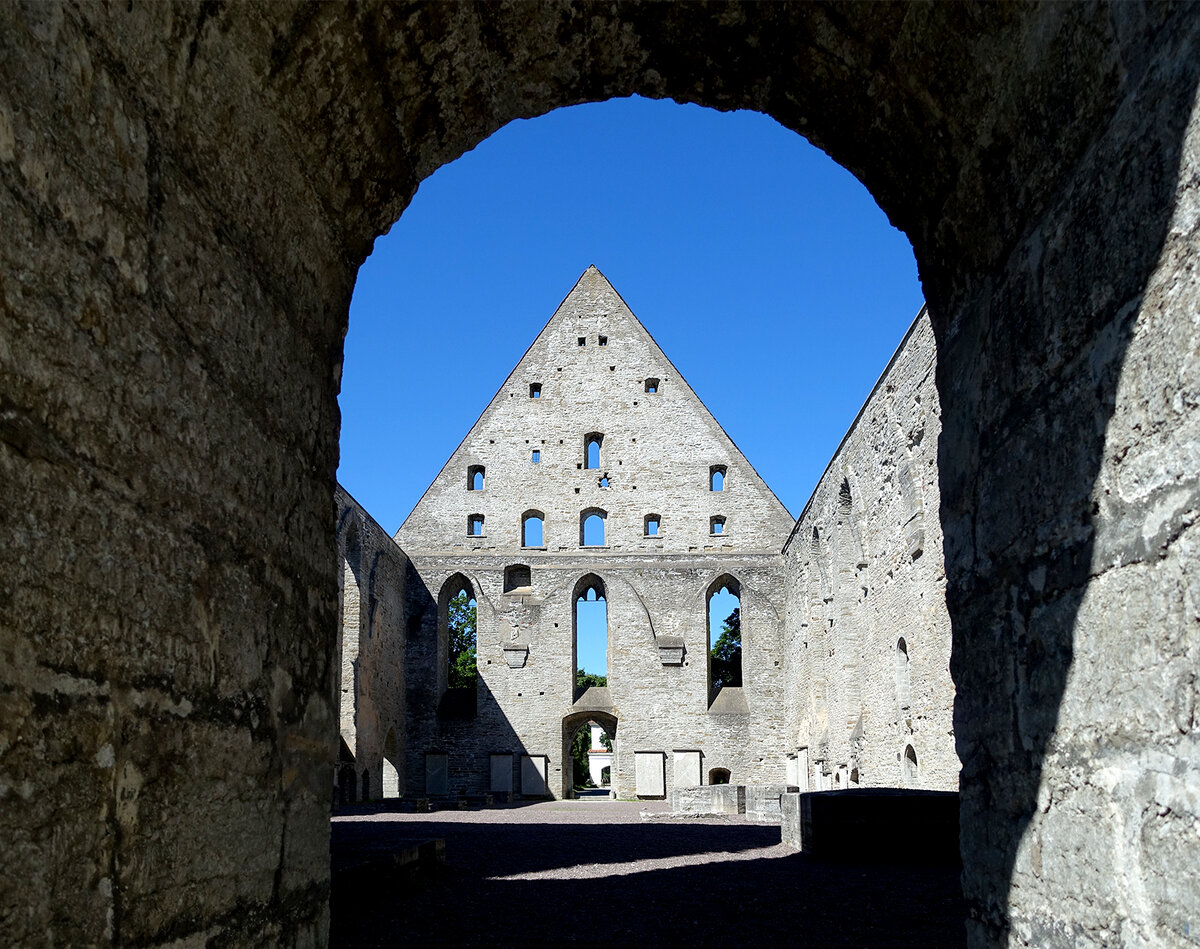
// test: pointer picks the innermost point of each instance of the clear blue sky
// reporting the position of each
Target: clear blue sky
(766, 272)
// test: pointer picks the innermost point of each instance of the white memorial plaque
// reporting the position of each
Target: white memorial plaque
(687, 769)
(650, 773)
(533, 775)
(437, 773)
(502, 773)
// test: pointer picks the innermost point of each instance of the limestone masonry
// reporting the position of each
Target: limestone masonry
(845, 637)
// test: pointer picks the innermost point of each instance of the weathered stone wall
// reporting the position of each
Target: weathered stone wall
(867, 649)
(187, 191)
(656, 707)
(370, 684)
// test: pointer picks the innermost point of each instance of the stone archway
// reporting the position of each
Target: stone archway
(570, 725)
(178, 268)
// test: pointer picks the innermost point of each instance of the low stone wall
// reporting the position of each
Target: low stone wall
(762, 802)
(709, 799)
(876, 825)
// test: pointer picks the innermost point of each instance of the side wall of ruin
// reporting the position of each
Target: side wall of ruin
(369, 683)
(867, 644)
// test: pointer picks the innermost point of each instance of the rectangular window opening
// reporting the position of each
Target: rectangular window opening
(603, 340)
(536, 457)
(535, 390)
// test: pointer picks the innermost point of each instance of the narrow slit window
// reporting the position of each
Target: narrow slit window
(475, 478)
(652, 522)
(716, 525)
(535, 390)
(652, 386)
(475, 525)
(591, 449)
(582, 341)
(535, 456)
(716, 478)
(532, 529)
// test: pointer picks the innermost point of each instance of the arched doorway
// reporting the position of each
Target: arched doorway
(577, 723)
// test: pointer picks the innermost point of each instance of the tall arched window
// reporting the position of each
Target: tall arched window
(903, 687)
(591, 449)
(724, 616)
(716, 478)
(349, 637)
(908, 767)
(457, 629)
(590, 634)
(475, 478)
(591, 527)
(532, 533)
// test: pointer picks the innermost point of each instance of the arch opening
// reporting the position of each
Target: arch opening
(723, 618)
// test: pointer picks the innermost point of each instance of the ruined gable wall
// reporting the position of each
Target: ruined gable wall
(369, 683)
(657, 452)
(657, 449)
(864, 569)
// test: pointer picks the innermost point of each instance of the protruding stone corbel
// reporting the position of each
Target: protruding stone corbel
(670, 650)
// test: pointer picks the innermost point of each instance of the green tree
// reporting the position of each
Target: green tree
(725, 657)
(582, 740)
(580, 745)
(460, 628)
(585, 680)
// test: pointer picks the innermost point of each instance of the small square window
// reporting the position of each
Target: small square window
(535, 390)
(603, 340)
(536, 457)
(651, 525)
(716, 525)
(475, 525)
(651, 386)
(582, 340)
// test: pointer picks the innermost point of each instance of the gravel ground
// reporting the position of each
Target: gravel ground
(591, 872)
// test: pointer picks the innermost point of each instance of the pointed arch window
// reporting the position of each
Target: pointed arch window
(589, 634)
(475, 478)
(456, 632)
(723, 613)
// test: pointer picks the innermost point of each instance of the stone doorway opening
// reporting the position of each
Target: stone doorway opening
(590, 727)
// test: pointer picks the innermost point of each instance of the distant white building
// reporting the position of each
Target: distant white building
(599, 757)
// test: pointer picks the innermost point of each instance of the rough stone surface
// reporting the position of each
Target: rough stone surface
(187, 193)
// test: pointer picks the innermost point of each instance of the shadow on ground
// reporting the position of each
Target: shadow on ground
(705, 884)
